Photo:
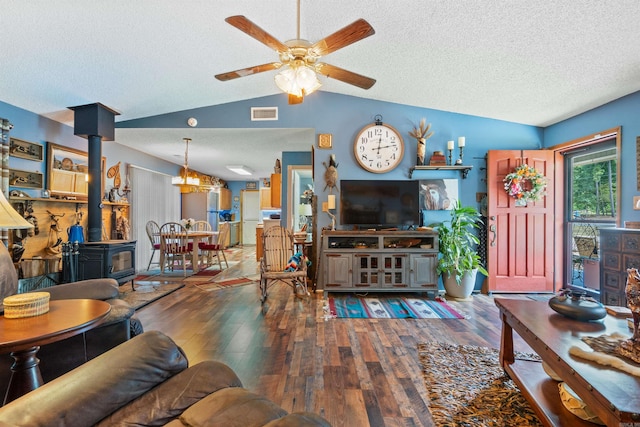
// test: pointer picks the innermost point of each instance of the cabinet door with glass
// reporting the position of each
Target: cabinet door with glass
(380, 271)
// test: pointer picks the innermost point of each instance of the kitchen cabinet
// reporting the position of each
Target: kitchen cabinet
(265, 198)
(276, 190)
(225, 199)
(234, 234)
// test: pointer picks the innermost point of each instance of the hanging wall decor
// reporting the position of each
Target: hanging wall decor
(525, 184)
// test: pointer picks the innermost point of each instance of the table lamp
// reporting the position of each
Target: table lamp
(9, 219)
(305, 212)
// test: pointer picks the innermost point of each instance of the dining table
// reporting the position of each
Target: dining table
(194, 237)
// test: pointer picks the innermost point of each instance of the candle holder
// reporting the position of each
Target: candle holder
(459, 161)
(333, 220)
(450, 156)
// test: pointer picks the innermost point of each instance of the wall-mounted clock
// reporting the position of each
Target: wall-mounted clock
(378, 147)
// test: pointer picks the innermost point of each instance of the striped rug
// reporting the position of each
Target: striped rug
(390, 308)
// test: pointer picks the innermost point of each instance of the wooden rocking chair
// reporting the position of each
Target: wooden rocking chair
(278, 250)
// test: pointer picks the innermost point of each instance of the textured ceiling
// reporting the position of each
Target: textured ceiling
(531, 62)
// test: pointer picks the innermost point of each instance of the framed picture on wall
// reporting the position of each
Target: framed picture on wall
(438, 194)
(68, 172)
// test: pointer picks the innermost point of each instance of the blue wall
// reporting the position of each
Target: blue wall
(343, 116)
(622, 112)
(34, 128)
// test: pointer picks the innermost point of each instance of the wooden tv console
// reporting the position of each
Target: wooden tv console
(609, 393)
(383, 261)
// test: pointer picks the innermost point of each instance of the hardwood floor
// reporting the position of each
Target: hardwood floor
(354, 372)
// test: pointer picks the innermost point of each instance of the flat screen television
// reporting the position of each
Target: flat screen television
(379, 204)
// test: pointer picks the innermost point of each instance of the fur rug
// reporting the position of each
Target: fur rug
(467, 387)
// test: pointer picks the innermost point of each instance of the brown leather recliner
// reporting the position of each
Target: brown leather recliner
(146, 381)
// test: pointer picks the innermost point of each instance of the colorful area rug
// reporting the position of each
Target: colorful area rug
(146, 292)
(390, 308)
(468, 387)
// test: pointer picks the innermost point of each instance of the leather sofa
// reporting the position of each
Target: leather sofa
(146, 381)
(61, 357)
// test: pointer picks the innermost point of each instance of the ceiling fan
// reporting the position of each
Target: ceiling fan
(299, 58)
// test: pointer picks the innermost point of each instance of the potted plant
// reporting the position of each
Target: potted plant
(459, 261)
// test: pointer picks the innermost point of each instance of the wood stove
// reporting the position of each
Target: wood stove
(114, 259)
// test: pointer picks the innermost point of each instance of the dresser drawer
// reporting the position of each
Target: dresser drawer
(630, 261)
(611, 261)
(612, 298)
(631, 242)
(609, 240)
(611, 280)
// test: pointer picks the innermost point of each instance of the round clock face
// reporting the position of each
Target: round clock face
(378, 148)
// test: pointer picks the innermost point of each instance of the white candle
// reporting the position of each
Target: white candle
(450, 145)
(461, 141)
(331, 201)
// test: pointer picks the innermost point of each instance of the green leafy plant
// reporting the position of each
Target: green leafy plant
(457, 241)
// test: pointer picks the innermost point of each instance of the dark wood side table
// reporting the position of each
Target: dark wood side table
(610, 393)
(23, 337)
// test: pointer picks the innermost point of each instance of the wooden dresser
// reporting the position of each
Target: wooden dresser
(619, 250)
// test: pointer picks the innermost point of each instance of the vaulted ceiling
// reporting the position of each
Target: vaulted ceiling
(531, 62)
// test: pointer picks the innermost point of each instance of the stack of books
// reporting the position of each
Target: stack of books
(438, 159)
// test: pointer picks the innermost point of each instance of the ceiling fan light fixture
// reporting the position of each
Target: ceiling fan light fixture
(240, 169)
(298, 80)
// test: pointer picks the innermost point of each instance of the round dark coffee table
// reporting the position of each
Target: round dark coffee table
(23, 337)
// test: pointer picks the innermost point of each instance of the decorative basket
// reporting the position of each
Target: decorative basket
(26, 305)
(575, 405)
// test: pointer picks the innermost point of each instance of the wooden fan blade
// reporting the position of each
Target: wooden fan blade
(341, 74)
(352, 33)
(246, 26)
(248, 71)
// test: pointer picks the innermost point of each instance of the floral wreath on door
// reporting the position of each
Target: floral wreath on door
(525, 184)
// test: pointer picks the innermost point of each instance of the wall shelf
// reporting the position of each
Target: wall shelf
(54, 200)
(462, 168)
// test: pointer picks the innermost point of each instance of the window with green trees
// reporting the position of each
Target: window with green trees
(591, 183)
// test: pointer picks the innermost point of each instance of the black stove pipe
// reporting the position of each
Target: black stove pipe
(94, 122)
(94, 209)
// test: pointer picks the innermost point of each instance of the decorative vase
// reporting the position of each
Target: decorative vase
(422, 149)
(462, 290)
(575, 306)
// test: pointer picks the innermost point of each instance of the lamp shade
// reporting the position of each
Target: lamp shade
(9, 217)
(305, 210)
(298, 80)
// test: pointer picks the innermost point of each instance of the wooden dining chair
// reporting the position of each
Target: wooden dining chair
(153, 232)
(199, 226)
(174, 246)
(216, 249)
(278, 249)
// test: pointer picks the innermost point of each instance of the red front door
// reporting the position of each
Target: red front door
(520, 239)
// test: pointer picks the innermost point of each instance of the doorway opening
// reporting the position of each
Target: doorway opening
(299, 193)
